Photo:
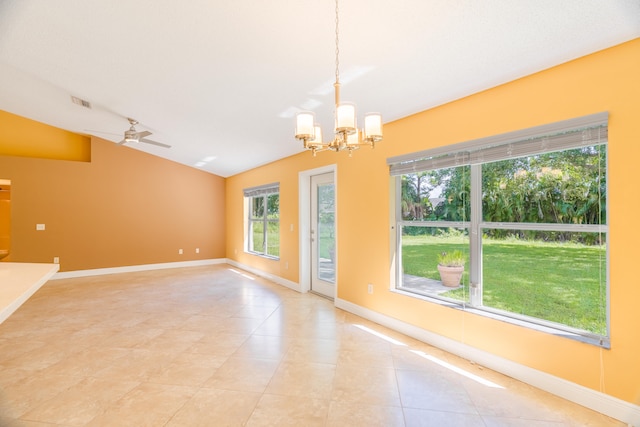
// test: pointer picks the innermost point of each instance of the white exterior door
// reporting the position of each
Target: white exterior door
(323, 235)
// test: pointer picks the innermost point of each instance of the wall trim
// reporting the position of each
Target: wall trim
(276, 279)
(595, 400)
(146, 267)
(134, 268)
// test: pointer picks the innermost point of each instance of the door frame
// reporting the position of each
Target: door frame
(304, 221)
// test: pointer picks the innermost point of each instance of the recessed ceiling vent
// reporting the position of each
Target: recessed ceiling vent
(81, 102)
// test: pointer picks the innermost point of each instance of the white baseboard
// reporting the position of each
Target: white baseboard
(145, 267)
(600, 402)
(134, 268)
(276, 279)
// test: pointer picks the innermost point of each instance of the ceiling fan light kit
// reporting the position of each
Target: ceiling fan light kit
(132, 135)
(346, 133)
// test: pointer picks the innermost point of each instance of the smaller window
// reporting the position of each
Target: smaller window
(263, 232)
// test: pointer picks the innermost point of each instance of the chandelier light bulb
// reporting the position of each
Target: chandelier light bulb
(373, 127)
(317, 139)
(305, 121)
(346, 118)
(352, 140)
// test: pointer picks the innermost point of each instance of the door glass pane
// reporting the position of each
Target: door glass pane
(326, 248)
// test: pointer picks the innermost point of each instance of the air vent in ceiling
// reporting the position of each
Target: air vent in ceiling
(81, 102)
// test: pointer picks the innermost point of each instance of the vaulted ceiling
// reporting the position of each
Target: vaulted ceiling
(220, 80)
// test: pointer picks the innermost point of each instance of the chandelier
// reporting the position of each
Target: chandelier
(347, 136)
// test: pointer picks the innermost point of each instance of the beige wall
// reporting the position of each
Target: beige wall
(124, 207)
(604, 81)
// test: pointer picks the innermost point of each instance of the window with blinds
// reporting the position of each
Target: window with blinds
(526, 211)
(263, 231)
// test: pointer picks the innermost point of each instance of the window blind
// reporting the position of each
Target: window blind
(568, 134)
(261, 190)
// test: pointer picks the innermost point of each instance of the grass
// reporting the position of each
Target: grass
(562, 283)
(273, 238)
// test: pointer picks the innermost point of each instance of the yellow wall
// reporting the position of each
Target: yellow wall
(125, 207)
(604, 81)
(20, 136)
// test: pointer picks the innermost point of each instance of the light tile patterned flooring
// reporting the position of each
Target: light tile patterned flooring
(215, 346)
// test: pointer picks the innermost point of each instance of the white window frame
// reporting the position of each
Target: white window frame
(263, 191)
(558, 136)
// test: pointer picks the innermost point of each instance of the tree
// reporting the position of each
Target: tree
(415, 195)
(565, 187)
(456, 184)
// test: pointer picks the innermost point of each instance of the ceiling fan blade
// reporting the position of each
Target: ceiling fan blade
(159, 144)
(143, 134)
(99, 131)
(121, 142)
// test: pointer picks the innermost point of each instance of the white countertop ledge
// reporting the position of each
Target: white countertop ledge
(18, 281)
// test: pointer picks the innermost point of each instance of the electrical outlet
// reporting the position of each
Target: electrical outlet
(286, 265)
(40, 227)
(197, 250)
(56, 260)
(179, 251)
(370, 288)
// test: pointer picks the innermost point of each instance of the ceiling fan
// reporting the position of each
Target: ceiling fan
(132, 135)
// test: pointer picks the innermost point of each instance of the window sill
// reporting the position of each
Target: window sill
(584, 337)
(271, 257)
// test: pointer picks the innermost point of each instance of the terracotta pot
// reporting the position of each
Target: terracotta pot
(450, 276)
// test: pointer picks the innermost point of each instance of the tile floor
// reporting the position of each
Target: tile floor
(215, 346)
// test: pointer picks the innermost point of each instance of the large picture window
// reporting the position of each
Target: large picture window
(524, 213)
(263, 232)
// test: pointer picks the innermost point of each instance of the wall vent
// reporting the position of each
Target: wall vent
(81, 102)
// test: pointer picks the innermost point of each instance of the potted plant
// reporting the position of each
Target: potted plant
(451, 267)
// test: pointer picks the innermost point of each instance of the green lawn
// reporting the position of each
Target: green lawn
(563, 283)
(273, 238)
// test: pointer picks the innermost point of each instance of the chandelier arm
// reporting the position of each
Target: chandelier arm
(317, 148)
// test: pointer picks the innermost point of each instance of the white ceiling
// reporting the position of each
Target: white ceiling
(222, 78)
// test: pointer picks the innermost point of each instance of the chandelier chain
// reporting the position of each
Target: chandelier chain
(337, 47)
